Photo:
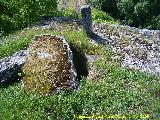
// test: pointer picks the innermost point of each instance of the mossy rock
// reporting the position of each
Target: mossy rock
(49, 66)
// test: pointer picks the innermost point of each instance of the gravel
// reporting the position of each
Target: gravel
(135, 48)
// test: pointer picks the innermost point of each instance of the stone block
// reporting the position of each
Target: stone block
(49, 66)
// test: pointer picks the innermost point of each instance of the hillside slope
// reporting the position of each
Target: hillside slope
(108, 90)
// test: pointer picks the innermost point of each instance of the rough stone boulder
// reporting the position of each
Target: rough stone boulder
(49, 66)
(10, 66)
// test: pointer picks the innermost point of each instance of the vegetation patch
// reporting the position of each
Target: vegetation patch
(137, 13)
(117, 91)
(113, 91)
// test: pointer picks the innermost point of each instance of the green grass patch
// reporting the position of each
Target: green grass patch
(120, 92)
(103, 17)
(23, 39)
(117, 92)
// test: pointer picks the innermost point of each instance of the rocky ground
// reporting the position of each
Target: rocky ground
(134, 48)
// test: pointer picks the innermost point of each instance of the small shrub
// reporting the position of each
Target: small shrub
(71, 13)
(97, 14)
(21, 13)
(143, 13)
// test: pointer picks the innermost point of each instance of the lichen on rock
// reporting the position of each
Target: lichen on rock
(49, 66)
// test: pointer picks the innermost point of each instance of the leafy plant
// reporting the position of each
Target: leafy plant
(97, 14)
(21, 13)
(138, 13)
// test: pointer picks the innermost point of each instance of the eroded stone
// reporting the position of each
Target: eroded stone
(10, 66)
(49, 66)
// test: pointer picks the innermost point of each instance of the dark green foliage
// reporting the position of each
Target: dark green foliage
(138, 13)
(141, 10)
(110, 7)
(20, 13)
(96, 3)
(155, 23)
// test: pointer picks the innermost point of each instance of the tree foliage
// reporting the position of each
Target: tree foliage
(16, 14)
(138, 13)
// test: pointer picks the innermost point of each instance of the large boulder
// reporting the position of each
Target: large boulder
(11, 66)
(49, 66)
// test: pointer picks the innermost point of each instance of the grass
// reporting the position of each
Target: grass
(117, 92)
(97, 16)
(109, 95)
(103, 17)
(22, 41)
(24, 38)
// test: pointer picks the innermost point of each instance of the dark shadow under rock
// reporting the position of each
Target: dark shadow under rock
(98, 39)
(10, 76)
(80, 62)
